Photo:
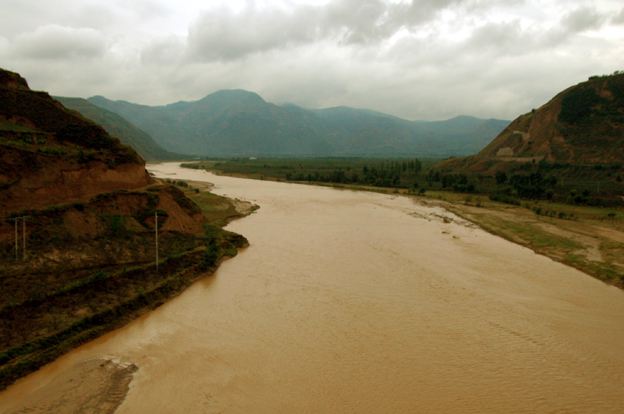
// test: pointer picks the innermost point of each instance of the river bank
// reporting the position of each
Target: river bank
(588, 239)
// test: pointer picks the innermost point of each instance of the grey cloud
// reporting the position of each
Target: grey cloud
(487, 43)
(365, 21)
(582, 19)
(356, 21)
(24, 16)
(146, 8)
(163, 51)
(4, 45)
(223, 34)
(501, 37)
(619, 18)
(417, 12)
(414, 13)
(58, 42)
(512, 38)
(575, 22)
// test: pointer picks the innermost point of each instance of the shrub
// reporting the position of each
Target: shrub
(210, 257)
(116, 225)
(578, 103)
(504, 198)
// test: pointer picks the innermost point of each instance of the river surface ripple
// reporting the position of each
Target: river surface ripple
(366, 303)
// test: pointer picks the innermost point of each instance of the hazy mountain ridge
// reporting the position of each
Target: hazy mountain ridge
(241, 123)
(120, 128)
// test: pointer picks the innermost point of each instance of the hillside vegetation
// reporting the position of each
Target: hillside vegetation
(120, 128)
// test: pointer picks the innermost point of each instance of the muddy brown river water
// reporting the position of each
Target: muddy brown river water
(357, 302)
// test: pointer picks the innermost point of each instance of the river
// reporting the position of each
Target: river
(358, 302)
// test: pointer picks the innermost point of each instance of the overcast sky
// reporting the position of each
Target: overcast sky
(421, 59)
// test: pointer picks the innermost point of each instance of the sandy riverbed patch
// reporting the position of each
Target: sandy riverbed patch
(96, 386)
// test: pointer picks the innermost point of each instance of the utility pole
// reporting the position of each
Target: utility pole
(16, 241)
(16, 223)
(24, 237)
(156, 236)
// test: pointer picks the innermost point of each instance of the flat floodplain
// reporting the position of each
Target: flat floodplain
(351, 301)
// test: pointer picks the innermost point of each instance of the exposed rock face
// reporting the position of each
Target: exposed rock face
(582, 125)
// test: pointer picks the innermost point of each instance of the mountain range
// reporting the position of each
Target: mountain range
(241, 123)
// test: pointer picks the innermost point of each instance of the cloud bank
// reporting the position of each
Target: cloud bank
(426, 59)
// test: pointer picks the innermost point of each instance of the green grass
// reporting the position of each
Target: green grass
(6, 125)
(606, 272)
(612, 251)
(538, 238)
(217, 210)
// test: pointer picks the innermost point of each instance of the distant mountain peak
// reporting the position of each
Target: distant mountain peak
(234, 94)
(462, 118)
